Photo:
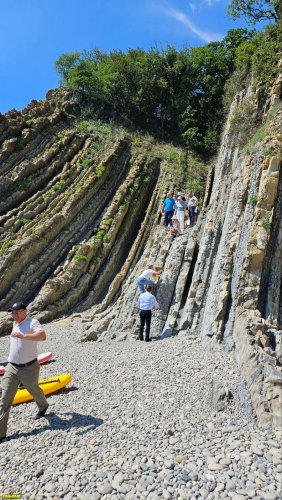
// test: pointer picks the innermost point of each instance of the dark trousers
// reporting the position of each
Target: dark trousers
(168, 215)
(192, 215)
(145, 318)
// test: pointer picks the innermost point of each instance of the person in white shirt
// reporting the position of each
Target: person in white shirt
(146, 278)
(146, 304)
(22, 367)
(180, 207)
(192, 207)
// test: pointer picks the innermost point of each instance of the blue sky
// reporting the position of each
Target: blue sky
(34, 33)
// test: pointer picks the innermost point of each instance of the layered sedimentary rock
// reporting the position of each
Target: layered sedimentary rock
(222, 279)
(77, 199)
(80, 220)
(236, 289)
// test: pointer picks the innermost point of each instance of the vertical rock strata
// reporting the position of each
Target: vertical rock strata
(235, 296)
(77, 202)
(79, 221)
(222, 279)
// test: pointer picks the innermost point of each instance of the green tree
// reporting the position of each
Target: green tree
(261, 55)
(66, 62)
(174, 93)
(256, 11)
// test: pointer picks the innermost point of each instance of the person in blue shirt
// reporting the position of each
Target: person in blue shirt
(168, 209)
(146, 304)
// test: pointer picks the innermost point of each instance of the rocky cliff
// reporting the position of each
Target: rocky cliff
(80, 220)
(78, 199)
(235, 296)
(222, 280)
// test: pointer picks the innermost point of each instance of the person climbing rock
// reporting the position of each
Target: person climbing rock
(146, 304)
(147, 278)
(22, 366)
(168, 208)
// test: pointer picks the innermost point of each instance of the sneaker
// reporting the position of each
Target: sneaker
(148, 340)
(141, 339)
(41, 413)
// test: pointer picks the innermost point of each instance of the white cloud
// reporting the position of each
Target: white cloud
(211, 2)
(184, 19)
(192, 6)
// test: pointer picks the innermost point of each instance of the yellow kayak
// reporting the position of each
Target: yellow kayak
(48, 385)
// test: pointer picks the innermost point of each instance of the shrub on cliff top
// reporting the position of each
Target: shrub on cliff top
(263, 54)
(176, 94)
(257, 57)
(29, 123)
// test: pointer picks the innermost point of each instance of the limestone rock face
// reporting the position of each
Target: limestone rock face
(80, 220)
(79, 200)
(235, 295)
(222, 279)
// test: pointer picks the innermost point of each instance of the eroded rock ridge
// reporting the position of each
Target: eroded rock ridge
(80, 220)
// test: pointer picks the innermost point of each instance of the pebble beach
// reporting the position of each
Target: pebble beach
(137, 422)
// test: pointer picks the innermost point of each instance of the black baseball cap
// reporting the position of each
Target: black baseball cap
(17, 306)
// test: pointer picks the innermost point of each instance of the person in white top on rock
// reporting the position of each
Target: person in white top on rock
(180, 207)
(146, 304)
(146, 278)
(22, 367)
(192, 207)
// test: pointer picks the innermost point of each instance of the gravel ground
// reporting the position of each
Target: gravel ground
(137, 421)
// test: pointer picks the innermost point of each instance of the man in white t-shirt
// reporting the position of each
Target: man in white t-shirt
(22, 366)
(146, 304)
(146, 278)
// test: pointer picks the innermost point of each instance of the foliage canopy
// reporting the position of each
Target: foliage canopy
(176, 94)
(256, 11)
